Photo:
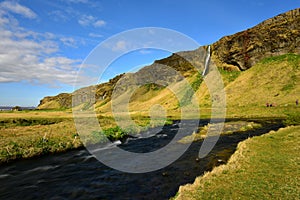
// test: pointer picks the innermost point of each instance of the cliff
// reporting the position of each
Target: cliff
(276, 36)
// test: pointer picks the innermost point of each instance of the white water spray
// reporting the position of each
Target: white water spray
(207, 61)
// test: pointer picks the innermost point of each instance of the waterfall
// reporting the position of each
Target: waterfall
(207, 61)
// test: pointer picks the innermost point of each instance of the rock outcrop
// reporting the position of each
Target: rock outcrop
(64, 100)
(276, 36)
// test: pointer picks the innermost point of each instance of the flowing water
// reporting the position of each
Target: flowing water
(78, 175)
(207, 62)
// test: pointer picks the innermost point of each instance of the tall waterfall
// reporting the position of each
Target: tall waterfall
(207, 61)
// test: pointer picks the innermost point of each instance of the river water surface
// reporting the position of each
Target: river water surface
(78, 175)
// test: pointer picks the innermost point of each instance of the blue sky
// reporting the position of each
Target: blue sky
(43, 43)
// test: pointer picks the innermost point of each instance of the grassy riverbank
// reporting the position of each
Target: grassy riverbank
(26, 134)
(264, 167)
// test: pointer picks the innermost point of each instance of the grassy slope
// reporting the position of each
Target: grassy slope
(50, 105)
(274, 80)
(265, 167)
(142, 101)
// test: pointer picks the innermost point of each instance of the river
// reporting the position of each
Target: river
(78, 175)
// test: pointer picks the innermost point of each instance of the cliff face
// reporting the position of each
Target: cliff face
(64, 100)
(276, 36)
(60, 101)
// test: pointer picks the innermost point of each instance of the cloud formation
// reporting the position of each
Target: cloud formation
(58, 16)
(69, 41)
(95, 35)
(14, 7)
(89, 20)
(99, 23)
(120, 46)
(33, 57)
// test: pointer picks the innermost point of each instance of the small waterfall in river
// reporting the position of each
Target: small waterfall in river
(207, 61)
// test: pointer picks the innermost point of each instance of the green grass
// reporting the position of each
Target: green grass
(35, 133)
(294, 59)
(5, 123)
(19, 141)
(265, 167)
(273, 80)
(292, 119)
(229, 76)
(188, 95)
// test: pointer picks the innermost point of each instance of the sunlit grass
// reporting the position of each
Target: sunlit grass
(264, 167)
(34, 140)
(35, 133)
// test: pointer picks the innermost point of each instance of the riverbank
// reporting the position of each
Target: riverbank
(28, 134)
(264, 167)
(23, 138)
(83, 177)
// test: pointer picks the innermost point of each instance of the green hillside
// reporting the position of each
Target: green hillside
(274, 80)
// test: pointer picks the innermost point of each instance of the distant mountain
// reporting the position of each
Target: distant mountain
(6, 107)
(238, 52)
(11, 107)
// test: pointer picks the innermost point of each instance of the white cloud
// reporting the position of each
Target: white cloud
(14, 7)
(95, 35)
(68, 41)
(32, 57)
(93, 3)
(78, 1)
(3, 21)
(88, 20)
(99, 23)
(145, 51)
(120, 46)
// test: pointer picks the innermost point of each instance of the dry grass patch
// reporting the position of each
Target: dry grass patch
(29, 141)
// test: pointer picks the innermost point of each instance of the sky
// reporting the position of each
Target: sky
(44, 44)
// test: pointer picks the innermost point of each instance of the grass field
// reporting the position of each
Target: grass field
(26, 134)
(264, 167)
